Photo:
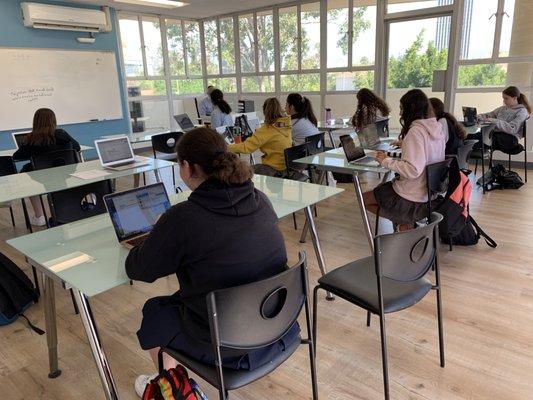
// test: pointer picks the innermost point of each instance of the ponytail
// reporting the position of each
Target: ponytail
(205, 149)
(217, 98)
(303, 107)
(522, 99)
(513, 91)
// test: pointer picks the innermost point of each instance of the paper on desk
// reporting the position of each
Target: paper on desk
(67, 261)
(91, 174)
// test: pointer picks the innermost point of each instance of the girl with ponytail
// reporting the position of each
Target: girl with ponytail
(220, 116)
(304, 122)
(225, 234)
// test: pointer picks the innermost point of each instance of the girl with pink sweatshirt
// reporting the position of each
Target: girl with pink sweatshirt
(404, 199)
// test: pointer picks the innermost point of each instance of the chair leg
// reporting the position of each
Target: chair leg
(294, 221)
(173, 176)
(384, 356)
(144, 178)
(376, 227)
(12, 215)
(76, 311)
(315, 316)
(475, 169)
(509, 162)
(441, 329)
(368, 318)
(36, 281)
(525, 165)
(46, 216)
(316, 212)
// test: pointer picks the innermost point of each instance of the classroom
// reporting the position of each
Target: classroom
(295, 199)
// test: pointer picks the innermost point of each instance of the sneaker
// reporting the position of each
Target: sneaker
(41, 221)
(141, 382)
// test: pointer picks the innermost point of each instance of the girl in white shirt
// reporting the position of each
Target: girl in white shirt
(304, 122)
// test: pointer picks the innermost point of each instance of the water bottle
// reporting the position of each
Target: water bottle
(328, 115)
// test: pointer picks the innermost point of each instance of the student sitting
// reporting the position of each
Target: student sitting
(403, 200)
(370, 109)
(220, 116)
(508, 120)
(454, 132)
(206, 106)
(44, 138)
(272, 138)
(226, 234)
(304, 122)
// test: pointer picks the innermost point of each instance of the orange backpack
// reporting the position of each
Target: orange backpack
(172, 384)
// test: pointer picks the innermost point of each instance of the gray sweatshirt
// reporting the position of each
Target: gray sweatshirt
(301, 128)
(508, 119)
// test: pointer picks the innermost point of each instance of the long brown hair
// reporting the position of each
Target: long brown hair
(302, 106)
(44, 128)
(272, 110)
(415, 105)
(513, 91)
(206, 149)
(217, 98)
(368, 104)
(438, 110)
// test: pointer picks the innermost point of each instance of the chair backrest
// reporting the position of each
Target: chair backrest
(260, 313)
(165, 142)
(294, 153)
(463, 153)
(486, 130)
(407, 256)
(197, 107)
(7, 166)
(382, 127)
(315, 143)
(56, 158)
(437, 176)
(78, 203)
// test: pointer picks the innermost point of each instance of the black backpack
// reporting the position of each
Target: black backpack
(16, 293)
(469, 235)
(501, 178)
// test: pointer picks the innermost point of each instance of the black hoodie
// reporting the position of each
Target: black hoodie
(222, 236)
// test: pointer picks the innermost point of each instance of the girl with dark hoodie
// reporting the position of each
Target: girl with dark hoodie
(210, 242)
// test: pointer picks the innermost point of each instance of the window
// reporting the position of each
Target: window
(227, 85)
(192, 45)
(187, 86)
(247, 42)
(265, 40)
(479, 26)
(152, 47)
(175, 48)
(131, 46)
(300, 83)
(350, 81)
(310, 35)
(399, 5)
(337, 27)
(482, 75)
(363, 35)
(288, 38)
(258, 84)
(227, 46)
(517, 35)
(211, 47)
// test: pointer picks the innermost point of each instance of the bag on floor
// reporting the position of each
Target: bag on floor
(16, 293)
(469, 235)
(173, 384)
(501, 178)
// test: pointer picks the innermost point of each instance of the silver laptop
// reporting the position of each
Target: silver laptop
(355, 154)
(135, 212)
(369, 139)
(20, 138)
(116, 154)
(184, 122)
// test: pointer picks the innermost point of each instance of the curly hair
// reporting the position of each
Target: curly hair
(368, 104)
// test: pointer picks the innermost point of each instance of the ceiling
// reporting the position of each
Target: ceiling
(196, 9)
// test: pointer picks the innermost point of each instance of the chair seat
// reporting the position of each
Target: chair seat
(233, 379)
(512, 151)
(476, 154)
(167, 156)
(357, 282)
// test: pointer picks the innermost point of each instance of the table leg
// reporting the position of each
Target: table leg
(158, 175)
(316, 245)
(102, 364)
(319, 181)
(364, 215)
(330, 133)
(136, 180)
(51, 326)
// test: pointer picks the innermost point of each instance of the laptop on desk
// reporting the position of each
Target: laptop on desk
(356, 154)
(116, 154)
(20, 138)
(369, 139)
(469, 116)
(184, 122)
(135, 212)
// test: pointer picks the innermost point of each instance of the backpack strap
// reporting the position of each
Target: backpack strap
(490, 242)
(34, 328)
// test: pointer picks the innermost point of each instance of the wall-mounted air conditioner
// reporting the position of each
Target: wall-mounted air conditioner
(46, 16)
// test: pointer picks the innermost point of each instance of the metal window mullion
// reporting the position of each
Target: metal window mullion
(166, 68)
(204, 54)
(237, 46)
(124, 81)
(498, 29)
(350, 33)
(184, 49)
(299, 35)
(454, 52)
(143, 46)
(219, 49)
(381, 50)
(277, 54)
(323, 53)
(256, 41)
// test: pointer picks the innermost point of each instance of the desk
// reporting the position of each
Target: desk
(335, 161)
(330, 127)
(96, 238)
(10, 152)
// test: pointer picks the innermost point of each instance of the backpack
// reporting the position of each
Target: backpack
(16, 293)
(458, 226)
(173, 384)
(500, 178)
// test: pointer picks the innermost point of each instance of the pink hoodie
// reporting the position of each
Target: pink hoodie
(423, 145)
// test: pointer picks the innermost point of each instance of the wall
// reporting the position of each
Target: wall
(14, 34)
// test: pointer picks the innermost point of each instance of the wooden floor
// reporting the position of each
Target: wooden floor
(488, 310)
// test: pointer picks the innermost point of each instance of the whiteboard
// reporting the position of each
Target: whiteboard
(79, 86)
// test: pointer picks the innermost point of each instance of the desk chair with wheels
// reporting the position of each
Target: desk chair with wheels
(164, 147)
(295, 171)
(252, 316)
(391, 280)
(515, 150)
(437, 178)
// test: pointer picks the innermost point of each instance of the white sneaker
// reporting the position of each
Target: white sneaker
(141, 382)
(41, 221)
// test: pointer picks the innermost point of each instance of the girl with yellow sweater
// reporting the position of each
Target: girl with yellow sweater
(272, 138)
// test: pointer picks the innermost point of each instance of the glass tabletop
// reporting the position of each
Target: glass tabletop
(18, 186)
(335, 124)
(87, 255)
(335, 161)
(10, 152)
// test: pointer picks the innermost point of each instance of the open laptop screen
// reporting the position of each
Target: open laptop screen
(184, 121)
(20, 138)
(136, 211)
(368, 136)
(113, 151)
(351, 151)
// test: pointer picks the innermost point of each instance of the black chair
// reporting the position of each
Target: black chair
(249, 317)
(382, 127)
(391, 280)
(164, 146)
(294, 171)
(437, 178)
(316, 144)
(463, 154)
(199, 119)
(519, 148)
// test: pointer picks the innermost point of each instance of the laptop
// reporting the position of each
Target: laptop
(227, 133)
(19, 138)
(469, 116)
(184, 122)
(116, 154)
(135, 212)
(355, 154)
(369, 139)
